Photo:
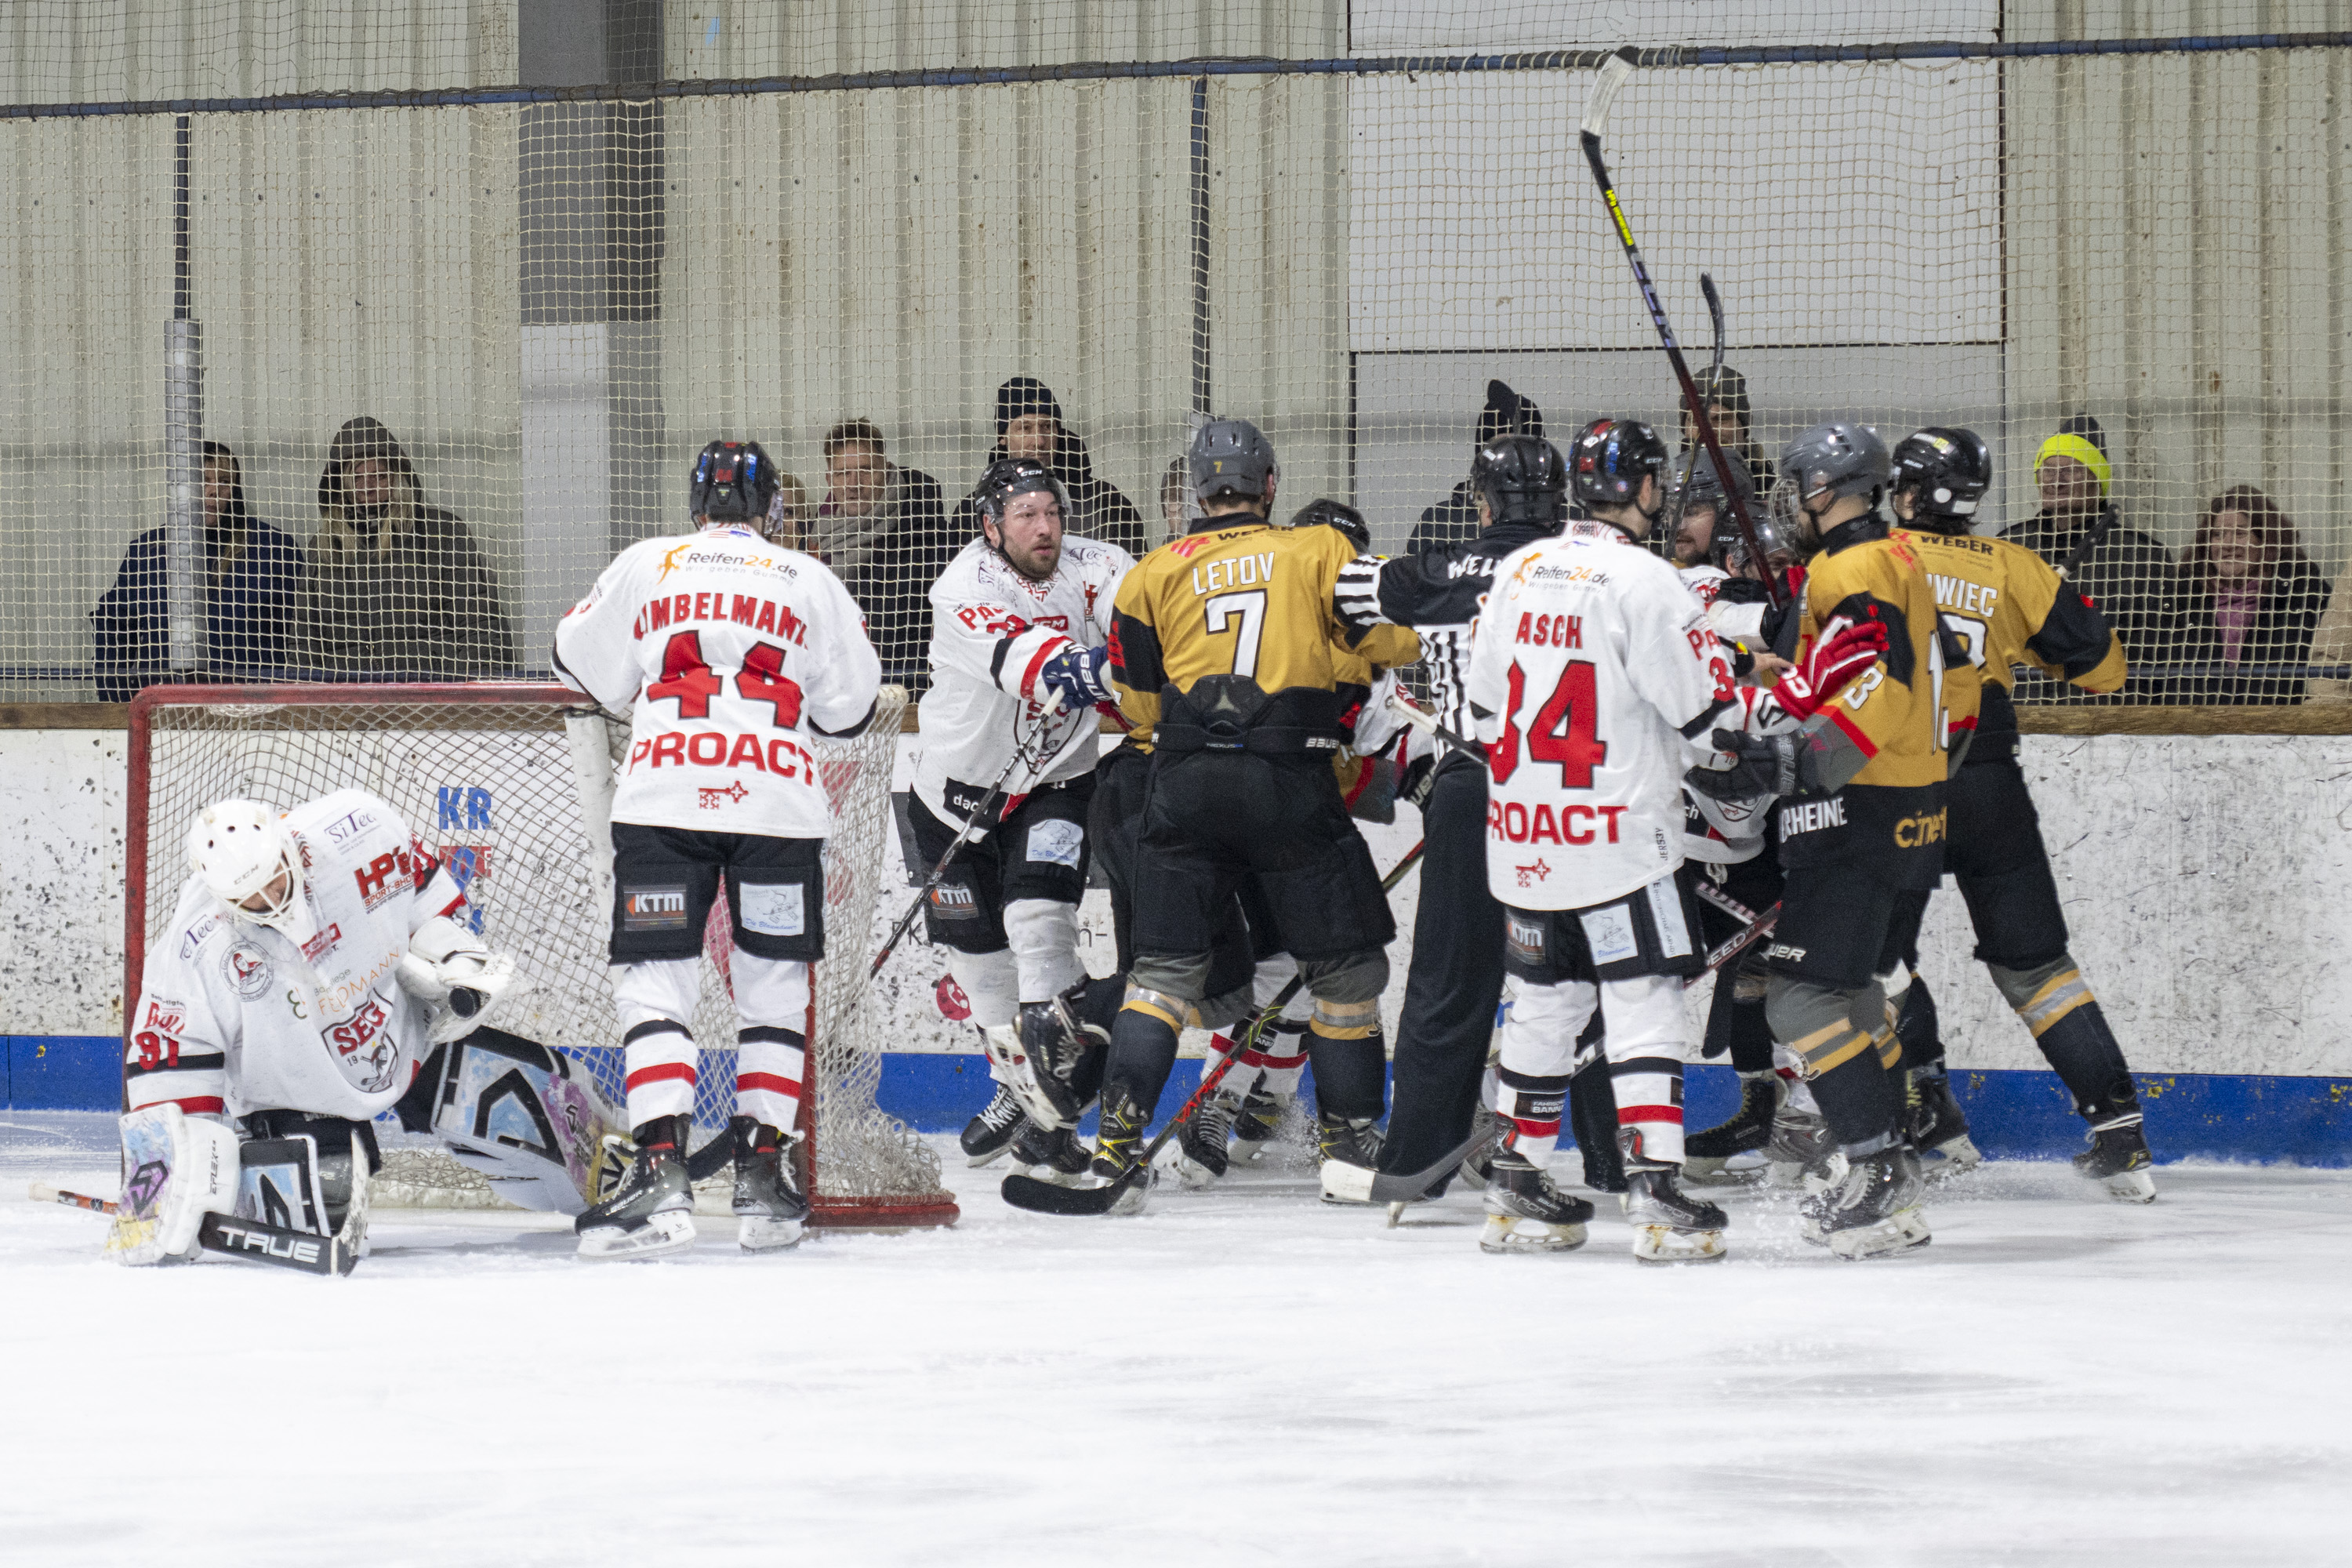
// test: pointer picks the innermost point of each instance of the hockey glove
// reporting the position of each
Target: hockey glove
(1420, 777)
(1076, 674)
(1761, 764)
(1834, 663)
(446, 963)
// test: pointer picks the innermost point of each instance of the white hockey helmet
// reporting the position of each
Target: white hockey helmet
(239, 847)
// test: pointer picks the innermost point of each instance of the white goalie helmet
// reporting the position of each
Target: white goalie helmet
(239, 847)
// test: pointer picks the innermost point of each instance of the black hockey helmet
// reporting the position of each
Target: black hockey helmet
(1231, 456)
(1774, 532)
(1839, 456)
(1010, 476)
(1610, 459)
(733, 482)
(1324, 512)
(1948, 470)
(1521, 478)
(1705, 487)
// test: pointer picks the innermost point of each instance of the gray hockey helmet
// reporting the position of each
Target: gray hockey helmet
(1844, 459)
(1232, 454)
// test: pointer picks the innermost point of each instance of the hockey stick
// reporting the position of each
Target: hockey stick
(1427, 723)
(2090, 541)
(1612, 81)
(1757, 930)
(298, 1249)
(1715, 383)
(45, 1192)
(1026, 1192)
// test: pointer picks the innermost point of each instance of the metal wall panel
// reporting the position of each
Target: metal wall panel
(1417, 26)
(2055, 20)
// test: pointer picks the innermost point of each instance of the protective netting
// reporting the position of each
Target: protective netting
(1351, 223)
(485, 778)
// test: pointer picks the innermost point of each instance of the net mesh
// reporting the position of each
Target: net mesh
(485, 780)
(1316, 214)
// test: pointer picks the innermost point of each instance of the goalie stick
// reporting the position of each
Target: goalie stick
(1715, 380)
(1613, 76)
(1026, 1192)
(305, 1251)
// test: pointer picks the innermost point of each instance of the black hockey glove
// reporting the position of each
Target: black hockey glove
(1762, 764)
(1420, 775)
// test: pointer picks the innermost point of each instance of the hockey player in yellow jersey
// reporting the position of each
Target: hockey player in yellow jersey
(1861, 784)
(1226, 649)
(2005, 605)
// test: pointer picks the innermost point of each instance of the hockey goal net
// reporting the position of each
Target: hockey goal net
(489, 777)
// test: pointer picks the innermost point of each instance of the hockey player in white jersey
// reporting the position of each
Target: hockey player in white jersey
(1019, 621)
(309, 961)
(727, 652)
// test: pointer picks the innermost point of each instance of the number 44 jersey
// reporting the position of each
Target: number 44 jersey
(727, 652)
(1595, 680)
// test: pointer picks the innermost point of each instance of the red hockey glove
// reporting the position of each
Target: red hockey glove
(1834, 661)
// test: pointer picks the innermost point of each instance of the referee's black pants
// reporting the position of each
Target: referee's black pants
(1455, 980)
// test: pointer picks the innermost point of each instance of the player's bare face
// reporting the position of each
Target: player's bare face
(1031, 534)
(271, 896)
(2232, 546)
(1031, 435)
(1698, 532)
(2068, 487)
(367, 485)
(855, 476)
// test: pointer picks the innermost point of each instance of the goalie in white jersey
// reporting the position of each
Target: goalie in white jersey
(1019, 618)
(310, 962)
(727, 652)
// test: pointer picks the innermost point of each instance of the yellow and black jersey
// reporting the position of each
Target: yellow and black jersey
(2007, 607)
(1240, 618)
(1905, 712)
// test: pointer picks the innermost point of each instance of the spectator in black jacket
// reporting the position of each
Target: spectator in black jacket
(2127, 575)
(1454, 519)
(1727, 409)
(1029, 424)
(2250, 601)
(884, 530)
(251, 574)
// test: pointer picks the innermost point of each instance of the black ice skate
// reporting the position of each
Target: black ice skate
(1199, 1152)
(1479, 1169)
(1872, 1210)
(1054, 1042)
(1669, 1226)
(1118, 1144)
(1748, 1131)
(651, 1214)
(1938, 1129)
(1051, 1154)
(1254, 1125)
(2119, 1159)
(1525, 1212)
(991, 1133)
(769, 1203)
(1345, 1140)
(1800, 1143)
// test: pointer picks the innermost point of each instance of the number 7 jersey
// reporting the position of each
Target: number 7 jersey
(726, 651)
(1595, 680)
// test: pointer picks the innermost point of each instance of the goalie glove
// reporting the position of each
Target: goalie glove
(1836, 659)
(446, 962)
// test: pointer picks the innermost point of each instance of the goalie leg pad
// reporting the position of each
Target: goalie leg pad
(513, 1109)
(181, 1168)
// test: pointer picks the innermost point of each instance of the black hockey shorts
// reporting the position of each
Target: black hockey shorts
(1040, 851)
(1996, 855)
(1213, 818)
(1839, 926)
(666, 879)
(1116, 824)
(1651, 931)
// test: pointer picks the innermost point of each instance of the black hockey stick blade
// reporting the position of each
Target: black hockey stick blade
(1715, 311)
(712, 1157)
(1404, 1186)
(258, 1243)
(1026, 1192)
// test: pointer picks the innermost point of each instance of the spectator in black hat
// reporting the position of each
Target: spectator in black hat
(1454, 519)
(1726, 395)
(1029, 424)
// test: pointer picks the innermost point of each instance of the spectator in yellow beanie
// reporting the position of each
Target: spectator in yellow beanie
(2125, 572)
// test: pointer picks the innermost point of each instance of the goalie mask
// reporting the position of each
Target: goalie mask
(733, 482)
(241, 849)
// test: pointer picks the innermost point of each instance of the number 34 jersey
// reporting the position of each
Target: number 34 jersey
(1595, 679)
(727, 652)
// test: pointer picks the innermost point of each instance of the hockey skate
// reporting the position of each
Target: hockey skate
(651, 1214)
(1198, 1154)
(1344, 1141)
(1479, 1169)
(1050, 1035)
(1254, 1125)
(1118, 1147)
(989, 1134)
(1525, 1212)
(1873, 1210)
(1669, 1226)
(1938, 1129)
(1707, 1152)
(2119, 1159)
(1800, 1142)
(770, 1205)
(1051, 1154)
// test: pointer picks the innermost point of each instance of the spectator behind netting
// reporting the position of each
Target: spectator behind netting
(883, 530)
(2331, 646)
(788, 514)
(398, 590)
(1029, 424)
(2250, 603)
(251, 576)
(1724, 393)
(1454, 519)
(2127, 575)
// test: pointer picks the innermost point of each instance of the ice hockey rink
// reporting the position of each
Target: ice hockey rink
(1240, 1376)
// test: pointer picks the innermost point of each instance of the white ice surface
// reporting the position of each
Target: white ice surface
(1239, 1377)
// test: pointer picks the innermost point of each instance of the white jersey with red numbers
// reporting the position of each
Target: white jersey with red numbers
(1704, 580)
(993, 630)
(726, 652)
(233, 1017)
(1592, 670)
(1728, 832)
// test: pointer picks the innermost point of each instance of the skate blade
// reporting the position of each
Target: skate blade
(1701, 1171)
(1784, 1174)
(1905, 1230)
(1130, 1201)
(1053, 1175)
(661, 1236)
(1505, 1234)
(1666, 1244)
(759, 1233)
(1396, 1213)
(1952, 1157)
(2130, 1186)
(987, 1157)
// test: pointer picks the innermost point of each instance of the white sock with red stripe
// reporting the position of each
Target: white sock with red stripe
(1538, 1054)
(772, 998)
(1647, 1037)
(654, 1001)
